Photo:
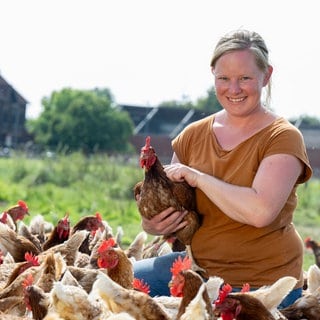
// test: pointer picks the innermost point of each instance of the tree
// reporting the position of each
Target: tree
(209, 103)
(186, 104)
(84, 120)
(306, 122)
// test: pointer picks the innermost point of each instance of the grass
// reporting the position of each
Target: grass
(74, 184)
(53, 186)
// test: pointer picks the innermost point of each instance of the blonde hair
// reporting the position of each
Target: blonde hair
(242, 40)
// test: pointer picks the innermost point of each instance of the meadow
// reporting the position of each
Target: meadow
(54, 185)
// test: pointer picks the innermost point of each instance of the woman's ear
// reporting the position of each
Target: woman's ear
(268, 75)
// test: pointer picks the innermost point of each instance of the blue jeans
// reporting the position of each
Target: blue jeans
(156, 273)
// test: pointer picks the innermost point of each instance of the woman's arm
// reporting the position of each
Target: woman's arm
(257, 205)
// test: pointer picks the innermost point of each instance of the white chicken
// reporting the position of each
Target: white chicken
(118, 299)
(271, 296)
(73, 303)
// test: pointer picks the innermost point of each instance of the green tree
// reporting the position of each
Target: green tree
(209, 103)
(82, 120)
(186, 104)
(306, 122)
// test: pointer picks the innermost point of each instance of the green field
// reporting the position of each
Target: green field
(55, 185)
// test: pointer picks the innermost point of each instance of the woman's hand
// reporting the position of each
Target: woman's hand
(179, 172)
(166, 222)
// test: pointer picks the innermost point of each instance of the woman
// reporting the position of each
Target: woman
(245, 163)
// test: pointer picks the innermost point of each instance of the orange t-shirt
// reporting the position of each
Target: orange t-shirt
(237, 252)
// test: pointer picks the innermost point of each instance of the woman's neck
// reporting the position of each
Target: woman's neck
(254, 120)
(231, 130)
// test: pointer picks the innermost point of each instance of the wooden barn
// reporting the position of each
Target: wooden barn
(12, 116)
(164, 123)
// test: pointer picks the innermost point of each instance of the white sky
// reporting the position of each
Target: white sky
(148, 51)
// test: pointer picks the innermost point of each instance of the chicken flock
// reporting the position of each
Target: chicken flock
(77, 272)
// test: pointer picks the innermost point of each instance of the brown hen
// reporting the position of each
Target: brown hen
(117, 264)
(186, 283)
(18, 212)
(59, 234)
(15, 244)
(157, 192)
(315, 247)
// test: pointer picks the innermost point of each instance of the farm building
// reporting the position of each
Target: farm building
(164, 123)
(312, 141)
(12, 115)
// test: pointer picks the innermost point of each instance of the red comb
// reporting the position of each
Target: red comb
(98, 216)
(106, 244)
(29, 257)
(179, 265)
(140, 285)
(226, 289)
(148, 139)
(147, 145)
(23, 205)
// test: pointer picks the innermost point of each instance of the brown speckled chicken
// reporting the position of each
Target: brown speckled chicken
(241, 307)
(20, 267)
(59, 234)
(157, 192)
(36, 300)
(69, 249)
(315, 247)
(186, 283)
(15, 244)
(90, 223)
(113, 259)
(257, 304)
(18, 212)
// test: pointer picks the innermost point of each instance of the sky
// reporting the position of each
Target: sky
(147, 52)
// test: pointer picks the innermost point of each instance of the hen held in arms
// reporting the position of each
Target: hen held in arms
(156, 192)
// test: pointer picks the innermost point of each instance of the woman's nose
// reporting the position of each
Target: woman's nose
(234, 87)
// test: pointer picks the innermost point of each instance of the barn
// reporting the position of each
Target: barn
(12, 116)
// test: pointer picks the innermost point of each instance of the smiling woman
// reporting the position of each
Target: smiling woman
(245, 163)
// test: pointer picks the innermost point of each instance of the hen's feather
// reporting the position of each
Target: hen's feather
(15, 244)
(157, 193)
(197, 309)
(73, 303)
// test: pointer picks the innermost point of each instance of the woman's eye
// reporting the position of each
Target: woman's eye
(223, 78)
